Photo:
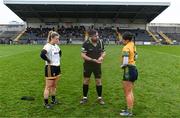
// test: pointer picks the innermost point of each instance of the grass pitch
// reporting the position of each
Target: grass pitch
(157, 91)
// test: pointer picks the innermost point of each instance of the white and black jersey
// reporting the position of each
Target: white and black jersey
(53, 53)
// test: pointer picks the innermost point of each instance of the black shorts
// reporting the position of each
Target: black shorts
(130, 74)
(52, 71)
(92, 68)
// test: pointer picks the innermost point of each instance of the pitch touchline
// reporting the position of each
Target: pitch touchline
(166, 54)
(1, 56)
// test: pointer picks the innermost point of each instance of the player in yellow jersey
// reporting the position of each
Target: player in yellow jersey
(129, 56)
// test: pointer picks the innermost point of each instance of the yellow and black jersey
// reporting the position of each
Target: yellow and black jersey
(129, 50)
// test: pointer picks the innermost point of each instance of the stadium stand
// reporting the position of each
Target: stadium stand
(74, 32)
(169, 33)
(78, 33)
(10, 32)
(7, 36)
(73, 20)
(174, 36)
(140, 34)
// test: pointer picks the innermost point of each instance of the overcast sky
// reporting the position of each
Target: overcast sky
(170, 15)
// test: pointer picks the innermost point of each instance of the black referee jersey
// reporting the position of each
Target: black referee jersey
(91, 50)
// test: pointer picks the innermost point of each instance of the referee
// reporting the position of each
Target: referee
(93, 54)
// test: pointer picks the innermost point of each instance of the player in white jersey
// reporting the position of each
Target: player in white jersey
(51, 53)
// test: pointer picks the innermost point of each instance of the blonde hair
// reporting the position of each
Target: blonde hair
(51, 34)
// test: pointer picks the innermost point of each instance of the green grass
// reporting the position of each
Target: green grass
(157, 91)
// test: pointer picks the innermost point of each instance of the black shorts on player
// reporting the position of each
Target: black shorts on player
(52, 71)
(130, 74)
(92, 68)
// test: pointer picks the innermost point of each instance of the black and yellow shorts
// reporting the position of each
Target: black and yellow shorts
(92, 68)
(51, 72)
(130, 74)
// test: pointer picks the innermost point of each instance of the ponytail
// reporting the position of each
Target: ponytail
(51, 35)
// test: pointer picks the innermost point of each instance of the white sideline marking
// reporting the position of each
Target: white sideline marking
(166, 54)
(2, 56)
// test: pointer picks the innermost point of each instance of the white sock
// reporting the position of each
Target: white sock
(99, 97)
